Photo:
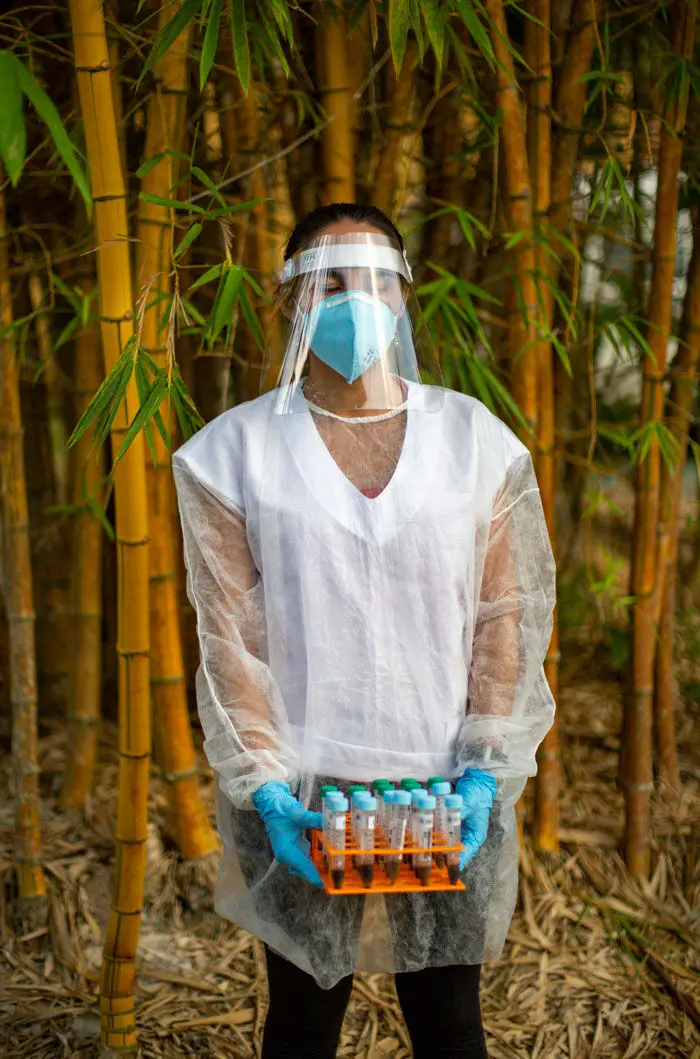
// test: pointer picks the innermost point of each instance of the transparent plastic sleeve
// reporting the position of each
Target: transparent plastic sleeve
(239, 703)
(510, 707)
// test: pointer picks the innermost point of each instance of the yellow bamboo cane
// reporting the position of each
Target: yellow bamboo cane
(188, 819)
(539, 142)
(19, 608)
(116, 315)
(636, 772)
(519, 211)
(684, 378)
(388, 174)
(336, 94)
(85, 663)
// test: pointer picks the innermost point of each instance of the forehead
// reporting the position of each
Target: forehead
(348, 227)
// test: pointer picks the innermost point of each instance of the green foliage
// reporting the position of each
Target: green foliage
(154, 386)
(17, 80)
(13, 138)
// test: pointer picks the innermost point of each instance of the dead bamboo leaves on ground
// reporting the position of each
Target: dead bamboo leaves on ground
(595, 966)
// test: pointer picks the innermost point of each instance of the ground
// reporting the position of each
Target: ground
(595, 965)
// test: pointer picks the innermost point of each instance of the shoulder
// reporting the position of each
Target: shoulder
(218, 455)
(227, 433)
(492, 437)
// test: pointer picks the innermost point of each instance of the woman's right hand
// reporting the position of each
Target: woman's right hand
(285, 820)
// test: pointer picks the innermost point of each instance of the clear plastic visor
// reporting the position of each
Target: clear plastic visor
(354, 340)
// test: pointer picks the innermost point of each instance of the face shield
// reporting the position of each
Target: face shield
(354, 340)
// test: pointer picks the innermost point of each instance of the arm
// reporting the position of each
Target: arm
(510, 706)
(247, 738)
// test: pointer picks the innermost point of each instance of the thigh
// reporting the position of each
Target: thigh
(442, 1012)
(303, 1020)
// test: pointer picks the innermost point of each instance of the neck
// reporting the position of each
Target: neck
(372, 394)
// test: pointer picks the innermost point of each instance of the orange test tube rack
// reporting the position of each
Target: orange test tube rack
(406, 881)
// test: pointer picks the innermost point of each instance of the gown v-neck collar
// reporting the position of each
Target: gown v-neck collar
(372, 518)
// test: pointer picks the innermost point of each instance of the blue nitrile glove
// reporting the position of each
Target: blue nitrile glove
(478, 790)
(285, 820)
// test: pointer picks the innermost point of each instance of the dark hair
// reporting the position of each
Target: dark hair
(315, 221)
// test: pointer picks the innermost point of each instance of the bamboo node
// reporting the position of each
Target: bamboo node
(177, 777)
(177, 678)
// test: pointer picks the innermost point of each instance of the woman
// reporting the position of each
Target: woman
(374, 585)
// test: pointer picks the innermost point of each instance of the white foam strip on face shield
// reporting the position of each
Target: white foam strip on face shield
(346, 255)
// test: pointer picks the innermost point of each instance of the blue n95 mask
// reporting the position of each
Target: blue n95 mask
(350, 332)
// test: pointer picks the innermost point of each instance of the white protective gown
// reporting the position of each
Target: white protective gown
(345, 638)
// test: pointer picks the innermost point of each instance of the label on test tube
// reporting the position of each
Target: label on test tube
(440, 790)
(425, 816)
(453, 833)
(337, 809)
(401, 807)
(364, 862)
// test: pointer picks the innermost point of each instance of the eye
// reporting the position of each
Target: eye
(331, 285)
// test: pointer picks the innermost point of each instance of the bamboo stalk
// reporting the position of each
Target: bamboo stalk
(56, 422)
(19, 606)
(49, 559)
(637, 776)
(572, 89)
(188, 818)
(539, 143)
(388, 176)
(684, 375)
(116, 315)
(336, 95)
(85, 663)
(519, 210)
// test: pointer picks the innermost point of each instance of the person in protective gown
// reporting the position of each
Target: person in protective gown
(373, 581)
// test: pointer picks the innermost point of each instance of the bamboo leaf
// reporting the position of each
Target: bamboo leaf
(51, 118)
(212, 273)
(239, 36)
(148, 408)
(205, 179)
(98, 513)
(236, 207)
(435, 27)
(13, 136)
(466, 11)
(252, 321)
(149, 165)
(169, 35)
(67, 333)
(188, 239)
(230, 286)
(173, 204)
(110, 393)
(398, 31)
(211, 39)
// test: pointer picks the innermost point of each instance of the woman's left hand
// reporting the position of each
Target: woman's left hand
(478, 790)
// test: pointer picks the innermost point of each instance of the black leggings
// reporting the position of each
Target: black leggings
(440, 1006)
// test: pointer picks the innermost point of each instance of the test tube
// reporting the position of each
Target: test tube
(425, 818)
(364, 862)
(378, 784)
(355, 814)
(408, 784)
(453, 833)
(385, 799)
(327, 788)
(400, 812)
(416, 796)
(337, 811)
(440, 790)
(355, 788)
(435, 779)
